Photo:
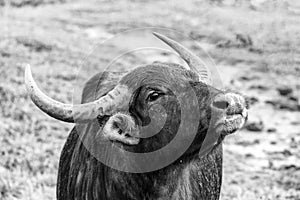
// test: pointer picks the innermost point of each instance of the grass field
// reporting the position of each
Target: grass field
(255, 44)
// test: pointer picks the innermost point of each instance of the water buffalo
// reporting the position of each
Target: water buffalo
(115, 109)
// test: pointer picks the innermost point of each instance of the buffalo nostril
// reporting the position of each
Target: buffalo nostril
(120, 132)
(127, 135)
(221, 104)
(116, 125)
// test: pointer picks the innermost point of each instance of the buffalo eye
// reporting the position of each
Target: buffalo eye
(153, 96)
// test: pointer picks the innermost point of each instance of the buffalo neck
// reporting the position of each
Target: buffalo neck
(195, 178)
(82, 176)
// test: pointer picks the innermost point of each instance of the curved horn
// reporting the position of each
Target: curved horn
(194, 62)
(74, 113)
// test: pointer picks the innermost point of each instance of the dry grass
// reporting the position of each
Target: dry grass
(256, 48)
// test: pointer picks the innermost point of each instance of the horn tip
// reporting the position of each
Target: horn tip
(166, 40)
(28, 78)
(27, 71)
(155, 33)
(158, 35)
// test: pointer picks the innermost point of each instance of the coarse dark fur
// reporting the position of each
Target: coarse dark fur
(192, 176)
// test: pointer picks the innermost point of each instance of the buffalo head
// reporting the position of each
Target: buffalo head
(128, 104)
(144, 110)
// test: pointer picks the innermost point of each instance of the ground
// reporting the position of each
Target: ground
(254, 44)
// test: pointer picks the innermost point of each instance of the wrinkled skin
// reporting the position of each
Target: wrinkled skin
(192, 176)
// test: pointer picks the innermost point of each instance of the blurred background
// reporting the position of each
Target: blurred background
(254, 43)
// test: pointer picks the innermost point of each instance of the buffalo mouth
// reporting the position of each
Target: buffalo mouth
(230, 123)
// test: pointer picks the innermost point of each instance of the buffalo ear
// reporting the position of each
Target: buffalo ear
(99, 85)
